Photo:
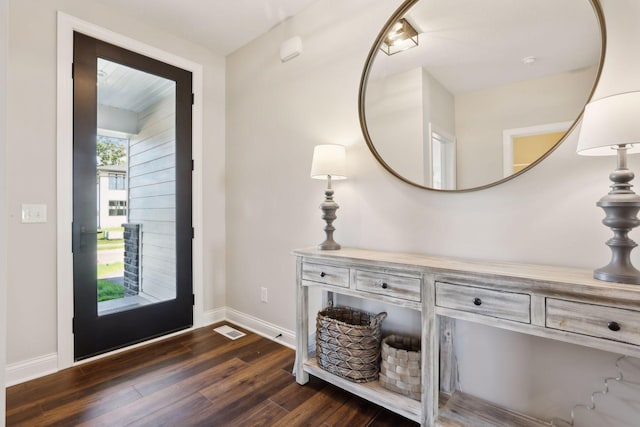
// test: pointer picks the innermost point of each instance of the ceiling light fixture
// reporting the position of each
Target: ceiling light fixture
(401, 36)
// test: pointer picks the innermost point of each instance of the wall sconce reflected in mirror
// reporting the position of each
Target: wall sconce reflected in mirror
(329, 162)
(401, 36)
(611, 126)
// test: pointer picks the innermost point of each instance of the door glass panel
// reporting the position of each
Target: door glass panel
(136, 188)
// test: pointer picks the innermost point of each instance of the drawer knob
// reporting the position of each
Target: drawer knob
(613, 326)
(322, 274)
(384, 285)
(477, 301)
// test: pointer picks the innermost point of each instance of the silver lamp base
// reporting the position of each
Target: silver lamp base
(329, 208)
(621, 216)
(621, 208)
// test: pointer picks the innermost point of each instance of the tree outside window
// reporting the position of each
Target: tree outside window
(111, 150)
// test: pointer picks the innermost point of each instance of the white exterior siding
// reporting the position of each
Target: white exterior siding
(152, 191)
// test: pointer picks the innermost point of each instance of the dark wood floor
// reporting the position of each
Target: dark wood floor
(198, 378)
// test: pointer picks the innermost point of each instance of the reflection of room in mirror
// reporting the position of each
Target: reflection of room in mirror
(400, 37)
(468, 78)
(527, 149)
(443, 160)
(523, 146)
(401, 110)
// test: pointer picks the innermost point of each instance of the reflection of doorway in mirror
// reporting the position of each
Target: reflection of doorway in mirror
(442, 153)
(523, 146)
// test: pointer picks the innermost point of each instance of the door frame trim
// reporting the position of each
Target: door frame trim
(67, 24)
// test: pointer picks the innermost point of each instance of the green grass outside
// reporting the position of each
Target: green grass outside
(108, 291)
(104, 244)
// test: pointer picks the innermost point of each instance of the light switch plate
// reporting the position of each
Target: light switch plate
(34, 214)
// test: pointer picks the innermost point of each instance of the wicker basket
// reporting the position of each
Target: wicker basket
(348, 343)
(400, 367)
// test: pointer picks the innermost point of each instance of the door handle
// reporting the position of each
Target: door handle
(82, 233)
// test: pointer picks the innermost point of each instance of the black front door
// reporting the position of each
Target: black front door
(132, 228)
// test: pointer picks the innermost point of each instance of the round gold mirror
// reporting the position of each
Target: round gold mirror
(460, 95)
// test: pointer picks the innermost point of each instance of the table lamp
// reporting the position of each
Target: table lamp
(329, 162)
(611, 126)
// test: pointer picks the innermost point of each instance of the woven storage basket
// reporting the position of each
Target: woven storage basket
(400, 367)
(348, 343)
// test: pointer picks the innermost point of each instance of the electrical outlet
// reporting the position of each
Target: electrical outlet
(264, 296)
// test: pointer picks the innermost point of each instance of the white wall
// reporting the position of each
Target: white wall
(277, 112)
(4, 33)
(441, 104)
(31, 165)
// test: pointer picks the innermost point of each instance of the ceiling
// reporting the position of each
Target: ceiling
(221, 25)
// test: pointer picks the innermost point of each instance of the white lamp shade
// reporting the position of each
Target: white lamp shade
(609, 122)
(329, 159)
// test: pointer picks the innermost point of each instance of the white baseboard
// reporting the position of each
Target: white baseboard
(37, 367)
(20, 372)
(261, 327)
(251, 323)
(213, 316)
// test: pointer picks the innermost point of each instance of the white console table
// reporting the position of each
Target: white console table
(552, 302)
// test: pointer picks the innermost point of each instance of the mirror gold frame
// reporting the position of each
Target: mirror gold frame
(375, 49)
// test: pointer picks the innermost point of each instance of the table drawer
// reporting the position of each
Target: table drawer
(503, 305)
(600, 321)
(326, 274)
(401, 286)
